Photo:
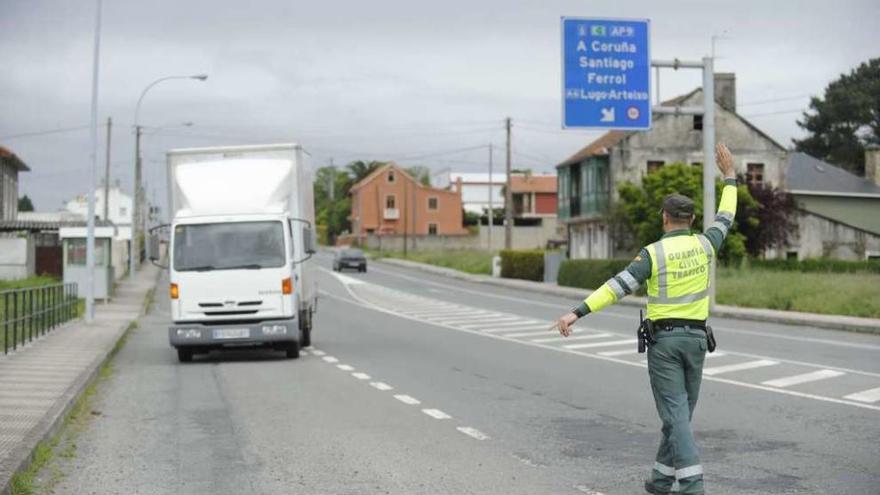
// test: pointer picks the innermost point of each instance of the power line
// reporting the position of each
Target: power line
(48, 131)
(780, 112)
(774, 100)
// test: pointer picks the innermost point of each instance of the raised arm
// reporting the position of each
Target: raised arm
(727, 206)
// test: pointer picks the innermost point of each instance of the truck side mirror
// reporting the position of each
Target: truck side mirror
(308, 240)
(155, 235)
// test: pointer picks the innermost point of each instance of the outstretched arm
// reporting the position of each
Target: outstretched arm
(727, 206)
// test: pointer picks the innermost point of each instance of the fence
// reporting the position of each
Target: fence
(33, 311)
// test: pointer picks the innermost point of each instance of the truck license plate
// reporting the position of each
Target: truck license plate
(232, 333)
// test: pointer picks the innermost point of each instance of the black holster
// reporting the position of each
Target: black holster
(710, 339)
(645, 335)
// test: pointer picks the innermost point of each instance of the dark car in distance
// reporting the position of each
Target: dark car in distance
(349, 258)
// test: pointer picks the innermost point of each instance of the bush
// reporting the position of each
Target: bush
(589, 274)
(816, 265)
(526, 264)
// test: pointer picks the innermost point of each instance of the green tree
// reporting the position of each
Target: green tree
(421, 174)
(640, 206)
(845, 120)
(360, 168)
(25, 203)
(332, 215)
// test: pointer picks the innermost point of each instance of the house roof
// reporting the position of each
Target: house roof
(809, 175)
(9, 158)
(379, 171)
(533, 183)
(602, 145)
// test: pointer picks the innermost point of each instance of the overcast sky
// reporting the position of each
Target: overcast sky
(384, 79)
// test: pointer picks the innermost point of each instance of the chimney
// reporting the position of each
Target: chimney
(872, 163)
(725, 90)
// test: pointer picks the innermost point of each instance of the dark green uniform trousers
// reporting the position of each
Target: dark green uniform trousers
(675, 365)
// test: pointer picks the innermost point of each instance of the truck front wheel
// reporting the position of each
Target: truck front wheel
(184, 355)
(292, 350)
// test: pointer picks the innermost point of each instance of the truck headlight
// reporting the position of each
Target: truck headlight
(274, 329)
(189, 333)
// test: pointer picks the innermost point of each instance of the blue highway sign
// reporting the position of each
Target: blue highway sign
(606, 76)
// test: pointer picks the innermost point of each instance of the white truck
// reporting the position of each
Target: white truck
(240, 246)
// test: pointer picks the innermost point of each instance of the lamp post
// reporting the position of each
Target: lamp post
(136, 192)
(90, 217)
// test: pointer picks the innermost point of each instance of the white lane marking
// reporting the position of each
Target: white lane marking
(411, 401)
(317, 352)
(544, 326)
(436, 413)
(717, 370)
(520, 322)
(345, 367)
(303, 353)
(478, 321)
(526, 334)
(356, 300)
(601, 344)
(449, 313)
(361, 376)
(473, 432)
(804, 378)
(588, 490)
(330, 359)
(872, 395)
(715, 354)
(618, 353)
(613, 314)
(572, 338)
(345, 279)
(381, 386)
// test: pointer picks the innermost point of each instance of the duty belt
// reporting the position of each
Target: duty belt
(670, 323)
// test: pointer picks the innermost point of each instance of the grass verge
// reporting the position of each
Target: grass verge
(850, 294)
(466, 260)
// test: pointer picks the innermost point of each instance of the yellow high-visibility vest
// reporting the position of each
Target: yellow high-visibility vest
(680, 277)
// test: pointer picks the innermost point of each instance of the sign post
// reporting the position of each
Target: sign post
(606, 80)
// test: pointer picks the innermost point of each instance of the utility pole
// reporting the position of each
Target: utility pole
(508, 197)
(491, 216)
(709, 155)
(107, 170)
(90, 221)
(331, 186)
(135, 203)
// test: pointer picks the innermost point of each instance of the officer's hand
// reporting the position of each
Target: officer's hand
(725, 161)
(565, 322)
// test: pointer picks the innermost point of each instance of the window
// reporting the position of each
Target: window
(697, 164)
(791, 255)
(432, 229)
(391, 176)
(390, 202)
(755, 173)
(76, 251)
(655, 165)
(229, 246)
(123, 211)
(698, 122)
(432, 203)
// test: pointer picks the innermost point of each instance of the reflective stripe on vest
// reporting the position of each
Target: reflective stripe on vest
(680, 275)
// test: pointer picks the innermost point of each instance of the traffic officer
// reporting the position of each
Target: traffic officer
(677, 272)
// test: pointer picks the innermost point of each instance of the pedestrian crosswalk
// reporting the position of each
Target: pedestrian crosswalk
(808, 380)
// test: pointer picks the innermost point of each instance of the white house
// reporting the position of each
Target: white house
(118, 209)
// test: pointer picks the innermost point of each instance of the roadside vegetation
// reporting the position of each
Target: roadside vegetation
(466, 260)
(35, 281)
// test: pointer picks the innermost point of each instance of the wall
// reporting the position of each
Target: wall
(820, 237)
(17, 258)
(8, 192)
(535, 237)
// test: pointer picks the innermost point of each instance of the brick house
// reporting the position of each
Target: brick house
(390, 202)
(534, 196)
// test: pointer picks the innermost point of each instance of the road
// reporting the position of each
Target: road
(421, 384)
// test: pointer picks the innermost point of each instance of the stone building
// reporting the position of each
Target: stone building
(588, 181)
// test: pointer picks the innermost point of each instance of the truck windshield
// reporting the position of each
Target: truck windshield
(228, 246)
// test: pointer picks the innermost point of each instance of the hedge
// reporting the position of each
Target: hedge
(814, 265)
(526, 264)
(589, 274)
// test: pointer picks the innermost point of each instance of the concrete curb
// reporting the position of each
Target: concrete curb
(831, 322)
(52, 423)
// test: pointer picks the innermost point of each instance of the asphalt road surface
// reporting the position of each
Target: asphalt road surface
(422, 384)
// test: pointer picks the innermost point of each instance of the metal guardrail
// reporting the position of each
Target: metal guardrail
(33, 311)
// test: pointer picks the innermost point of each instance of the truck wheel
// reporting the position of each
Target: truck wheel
(305, 338)
(184, 355)
(292, 350)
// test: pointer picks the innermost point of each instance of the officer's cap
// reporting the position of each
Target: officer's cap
(678, 206)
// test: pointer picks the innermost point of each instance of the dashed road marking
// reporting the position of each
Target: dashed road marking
(600, 344)
(345, 367)
(381, 386)
(526, 334)
(804, 378)
(361, 376)
(473, 432)
(717, 370)
(617, 353)
(872, 395)
(330, 359)
(436, 413)
(412, 401)
(316, 352)
(572, 338)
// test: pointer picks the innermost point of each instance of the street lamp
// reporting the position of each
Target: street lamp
(138, 199)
